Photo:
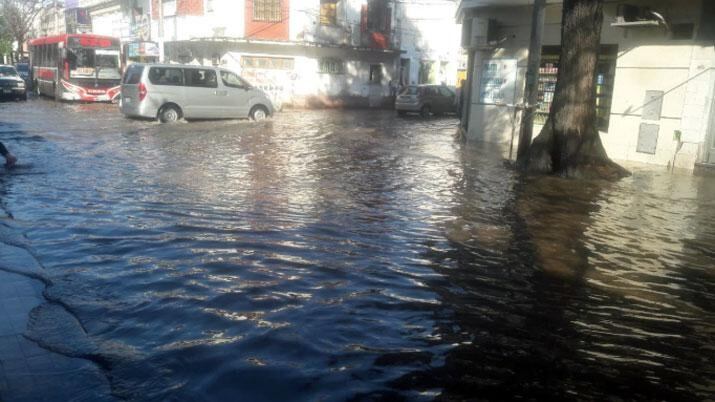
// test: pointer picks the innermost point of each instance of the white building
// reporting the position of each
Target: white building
(656, 77)
(429, 39)
(303, 52)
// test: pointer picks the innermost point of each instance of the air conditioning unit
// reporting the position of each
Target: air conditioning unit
(478, 33)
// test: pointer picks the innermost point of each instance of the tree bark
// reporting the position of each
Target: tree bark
(569, 144)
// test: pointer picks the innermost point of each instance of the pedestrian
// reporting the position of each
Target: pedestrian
(10, 159)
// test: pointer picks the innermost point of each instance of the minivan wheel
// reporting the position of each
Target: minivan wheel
(169, 114)
(425, 111)
(259, 113)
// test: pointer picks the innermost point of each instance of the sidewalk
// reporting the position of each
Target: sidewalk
(29, 372)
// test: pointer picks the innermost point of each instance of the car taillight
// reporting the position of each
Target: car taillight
(142, 91)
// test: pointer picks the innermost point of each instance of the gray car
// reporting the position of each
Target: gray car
(426, 100)
(11, 84)
(169, 92)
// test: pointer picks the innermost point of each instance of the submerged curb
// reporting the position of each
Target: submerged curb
(28, 371)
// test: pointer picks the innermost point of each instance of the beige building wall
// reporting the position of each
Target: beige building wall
(648, 60)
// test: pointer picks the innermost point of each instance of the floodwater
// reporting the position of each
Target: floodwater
(352, 255)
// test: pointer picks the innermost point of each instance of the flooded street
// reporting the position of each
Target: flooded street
(354, 255)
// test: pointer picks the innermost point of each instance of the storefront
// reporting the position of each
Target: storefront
(141, 52)
(655, 79)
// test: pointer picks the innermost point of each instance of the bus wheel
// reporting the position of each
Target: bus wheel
(169, 114)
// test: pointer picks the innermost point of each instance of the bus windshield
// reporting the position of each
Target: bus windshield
(94, 63)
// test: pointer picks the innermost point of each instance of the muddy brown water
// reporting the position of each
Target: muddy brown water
(353, 255)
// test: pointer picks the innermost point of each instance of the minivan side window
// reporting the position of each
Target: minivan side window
(201, 78)
(232, 80)
(133, 74)
(166, 76)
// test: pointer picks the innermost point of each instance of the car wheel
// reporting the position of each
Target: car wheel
(259, 113)
(401, 113)
(426, 111)
(169, 114)
(23, 97)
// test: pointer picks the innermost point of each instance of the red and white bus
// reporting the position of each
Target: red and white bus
(80, 67)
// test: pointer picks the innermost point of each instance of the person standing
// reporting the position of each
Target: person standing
(10, 159)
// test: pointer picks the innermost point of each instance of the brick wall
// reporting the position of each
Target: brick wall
(190, 7)
(183, 7)
(277, 30)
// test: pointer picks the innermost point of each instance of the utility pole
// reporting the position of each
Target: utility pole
(161, 30)
(531, 93)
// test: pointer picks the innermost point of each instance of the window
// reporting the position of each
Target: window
(232, 80)
(169, 7)
(267, 63)
(430, 91)
(133, 74)
(267, 10)
(201, 78)
(445, 92)
(376, 73)
(331, 66)
(378, 16)
(410, 91)
(166, 76)
(328, 12)
(605, 77)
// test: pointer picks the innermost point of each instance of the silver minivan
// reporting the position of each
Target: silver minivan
(169, 92)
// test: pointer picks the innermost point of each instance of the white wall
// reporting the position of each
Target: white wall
(428, 31)
(647, 60)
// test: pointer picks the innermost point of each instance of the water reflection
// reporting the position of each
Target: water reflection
(587, 294)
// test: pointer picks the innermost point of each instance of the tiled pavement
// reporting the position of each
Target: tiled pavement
(27, 371)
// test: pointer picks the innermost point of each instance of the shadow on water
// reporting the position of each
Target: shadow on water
(586, 290)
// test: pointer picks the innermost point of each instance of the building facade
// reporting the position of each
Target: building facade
(315, 53)
(429, 39)
(656, 76)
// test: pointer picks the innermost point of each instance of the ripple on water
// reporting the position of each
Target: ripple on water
(352, 255)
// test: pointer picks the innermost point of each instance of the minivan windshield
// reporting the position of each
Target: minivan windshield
(409, 91)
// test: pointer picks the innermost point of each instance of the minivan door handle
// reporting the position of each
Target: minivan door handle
(221, 93)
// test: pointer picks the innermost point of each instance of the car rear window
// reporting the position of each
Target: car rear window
(133, 74)
(166, 76)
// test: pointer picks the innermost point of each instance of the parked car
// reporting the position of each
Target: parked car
(169, 92)
(426, 100)
(24, 70)
(11, 85)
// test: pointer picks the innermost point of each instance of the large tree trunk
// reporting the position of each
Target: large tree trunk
(569, 144)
